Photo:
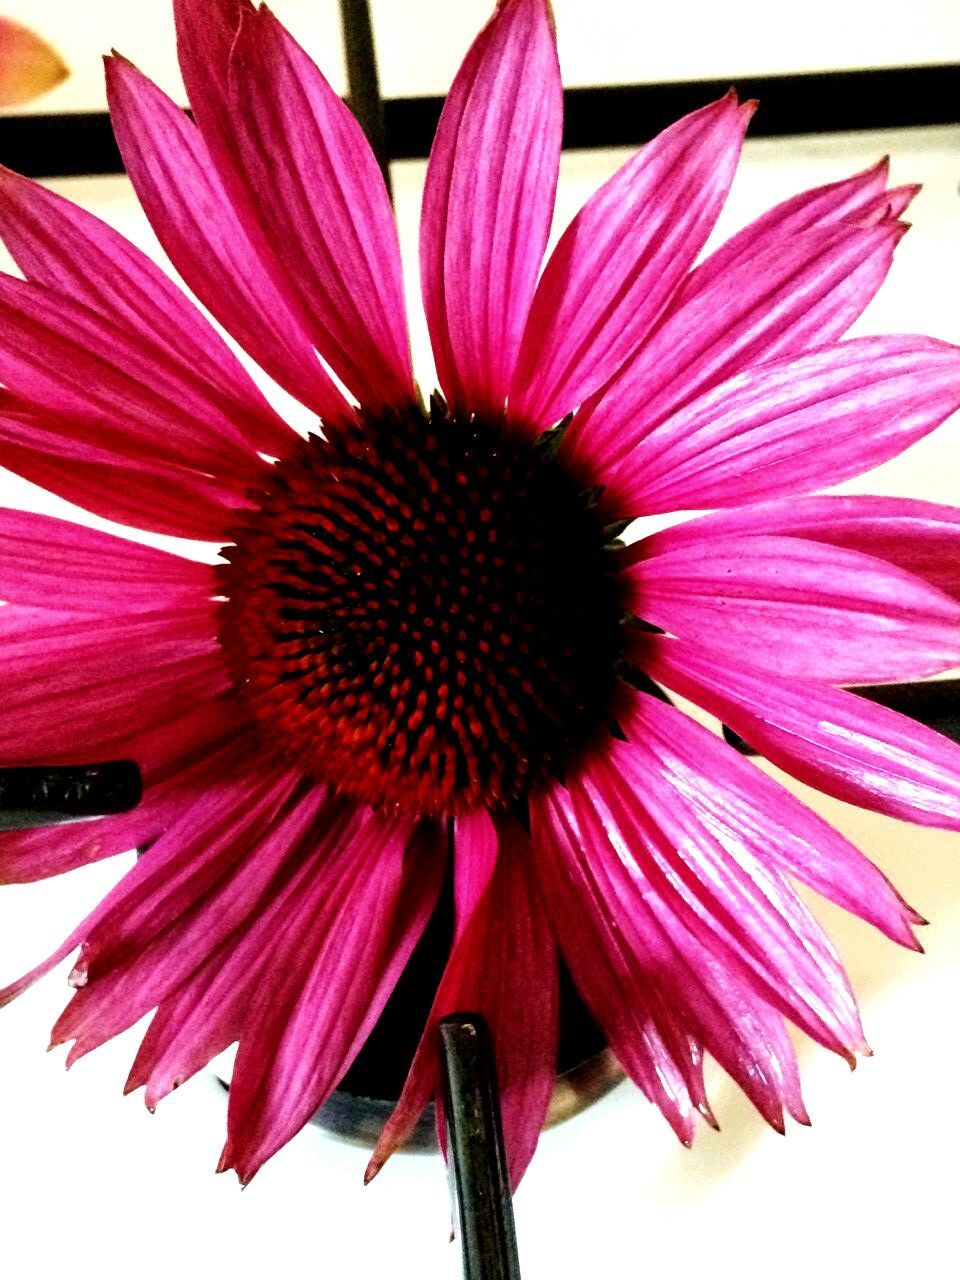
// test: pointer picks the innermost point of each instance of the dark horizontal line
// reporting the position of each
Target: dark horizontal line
(71, 145)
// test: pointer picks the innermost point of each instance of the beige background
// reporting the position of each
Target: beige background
(93, 1186)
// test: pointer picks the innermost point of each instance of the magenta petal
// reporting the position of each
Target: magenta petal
(503, 966)
(843, 745)
(760, 813)
(45, 561)
(655, 989)
(791, 425)
(344, 944)
(113, 679)
(488, 203)
(793, 296)
(65, 360)
(675, 839)
(620, 260)
(59, 245)
(103, 471)
(851, 200)
(184, 198)
(797, 608)
(921, 537)
(322, 202)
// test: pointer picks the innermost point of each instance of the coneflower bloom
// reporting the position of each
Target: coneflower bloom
(425, 652)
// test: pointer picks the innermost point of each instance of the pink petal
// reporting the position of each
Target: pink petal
(57, 244)
(29, 66)
(797, 608)
(503, 966)
(322, 202)
(657, 992)
(344, 945)
(184, 198)
(843, 745)
(106, 475)
(488, 203)
(70, 362)
(921, 537)
(765, 818)
(792, 425)
(199, 882)
(790, 297)
(108, 678)
(851, 200)
(44, 561)
(620, 260)
(716, 878)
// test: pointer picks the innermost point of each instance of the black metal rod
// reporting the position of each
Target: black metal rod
(48, 795)
(934, 703)
(74, 144)
(363, 80)
(479, 1179)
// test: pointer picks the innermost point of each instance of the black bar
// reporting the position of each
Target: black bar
(934, 703)
(49, 795)
(73, 145)
(478, 1167)
(363, 80)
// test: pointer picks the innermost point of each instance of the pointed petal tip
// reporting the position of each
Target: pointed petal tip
(373, 1168)
(706, 1111)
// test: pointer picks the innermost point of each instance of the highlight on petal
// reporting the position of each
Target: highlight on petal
(45, 560)
(488, 203)
(62, 359)
(843, 745)
(502, 965)
(790, 425)
(784, 300)
(29, 65)
(619, 262)
(921, 537)
(797, 608)
(320, 198)
(657, 984)
(344, 944)
(183, 196)
(73, 253)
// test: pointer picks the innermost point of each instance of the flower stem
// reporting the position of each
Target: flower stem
(363, 80)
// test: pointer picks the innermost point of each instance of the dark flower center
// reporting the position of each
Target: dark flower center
(422, 611)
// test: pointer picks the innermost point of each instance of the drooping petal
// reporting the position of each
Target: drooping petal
(57, 244)
(797, 608)
(345, 943)
(761, 816)
(715, 880)
(502, 965)
(46, 561)
(321, 199)
(841, 744)
(791, 425)
(791, 297)
(107, 475)
(620, 260)
(921, 537)
(488, 203)
(29, 66)
(183, 196)
(655, 989)
(67, 361)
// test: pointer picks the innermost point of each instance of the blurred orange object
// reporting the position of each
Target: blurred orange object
(28, 65)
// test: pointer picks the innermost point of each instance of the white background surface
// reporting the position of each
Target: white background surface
(92, 1186)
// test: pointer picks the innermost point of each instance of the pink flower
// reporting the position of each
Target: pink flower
(418, 629)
